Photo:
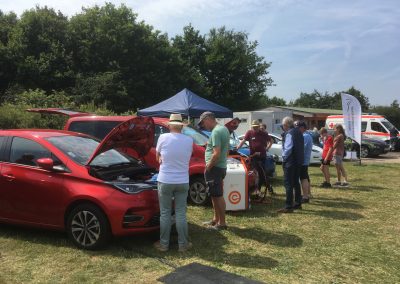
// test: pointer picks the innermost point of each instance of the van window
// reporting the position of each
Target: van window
(364, 126)
(376, 126)
(98, 129)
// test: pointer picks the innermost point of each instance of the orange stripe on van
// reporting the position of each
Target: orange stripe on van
(376, 133)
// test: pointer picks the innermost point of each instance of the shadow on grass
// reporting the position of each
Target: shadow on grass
(263, 236)
(336, 215)
(349, 204)
(35, 235)
(367, 188)
(207, 244)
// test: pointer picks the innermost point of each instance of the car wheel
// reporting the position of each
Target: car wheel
(364, 152)
(88, 227)
(198, 193)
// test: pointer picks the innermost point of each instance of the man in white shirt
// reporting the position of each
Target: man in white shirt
(173, 152)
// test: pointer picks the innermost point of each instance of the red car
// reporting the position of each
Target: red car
(69, 181)
(100, 126)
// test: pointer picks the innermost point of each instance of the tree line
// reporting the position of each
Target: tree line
(104, 60)
(104, 55)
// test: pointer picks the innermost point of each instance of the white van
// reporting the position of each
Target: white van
(372, 126)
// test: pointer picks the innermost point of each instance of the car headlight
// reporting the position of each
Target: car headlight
(132, 188)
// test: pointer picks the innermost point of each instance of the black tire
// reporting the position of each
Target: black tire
(364, 152)
(198, 192)
(84, 236)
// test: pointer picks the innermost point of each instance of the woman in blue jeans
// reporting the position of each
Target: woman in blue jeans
(173, 152)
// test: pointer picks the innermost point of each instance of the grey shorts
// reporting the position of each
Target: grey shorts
(338, 160)
(214, 180)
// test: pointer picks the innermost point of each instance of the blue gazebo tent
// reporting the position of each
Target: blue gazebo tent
(187, 104)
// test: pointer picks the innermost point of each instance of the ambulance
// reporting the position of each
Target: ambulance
(372, 126)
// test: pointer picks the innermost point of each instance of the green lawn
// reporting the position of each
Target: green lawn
(342, 236)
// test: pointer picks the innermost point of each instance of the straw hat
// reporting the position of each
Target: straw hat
(255, 123)
(175, 119)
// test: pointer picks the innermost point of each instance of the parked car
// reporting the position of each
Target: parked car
(369, 147)
(276, 149)
(100, 126)
(69, 181)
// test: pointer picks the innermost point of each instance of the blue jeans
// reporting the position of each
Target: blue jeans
(292, 182)
(165, 194)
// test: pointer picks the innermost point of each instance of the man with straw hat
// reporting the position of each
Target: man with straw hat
(173, 152)
(260, 142)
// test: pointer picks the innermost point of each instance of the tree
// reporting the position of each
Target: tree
(225, 67)
(8, 67)
(38, 44)
(364, 101)
(316, 100)
(109, 40)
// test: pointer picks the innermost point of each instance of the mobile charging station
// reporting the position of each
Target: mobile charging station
(235, 185)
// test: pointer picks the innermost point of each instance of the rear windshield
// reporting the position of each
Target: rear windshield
(98, 129)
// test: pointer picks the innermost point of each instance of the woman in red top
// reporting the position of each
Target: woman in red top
(327, 155)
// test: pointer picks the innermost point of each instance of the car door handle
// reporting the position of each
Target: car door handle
(9, 177)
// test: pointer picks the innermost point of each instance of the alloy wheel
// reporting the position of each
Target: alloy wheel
(85, 228)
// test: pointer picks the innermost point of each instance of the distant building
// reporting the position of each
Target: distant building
(314, 117)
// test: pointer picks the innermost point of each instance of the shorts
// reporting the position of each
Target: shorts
(338, 160)
(325, 164)
(304, 173)
(214, 181)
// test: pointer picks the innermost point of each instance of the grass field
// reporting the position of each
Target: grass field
(343, 236)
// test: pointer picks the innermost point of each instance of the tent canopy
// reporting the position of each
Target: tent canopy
(186, 103)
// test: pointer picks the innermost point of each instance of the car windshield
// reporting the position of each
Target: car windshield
(234, 142)
(80, 149)
(388, 125)
(197, 136)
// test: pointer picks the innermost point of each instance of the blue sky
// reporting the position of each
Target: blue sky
(324, 45)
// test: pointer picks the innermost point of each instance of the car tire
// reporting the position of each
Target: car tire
(88, 227)
(364, 152)
(198, 192)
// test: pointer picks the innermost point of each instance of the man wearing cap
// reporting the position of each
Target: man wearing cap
(293, 159)
(304, 177)
(215, 157)
(173, 152)
(260, 142)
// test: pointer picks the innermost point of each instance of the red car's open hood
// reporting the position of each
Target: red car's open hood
(136, 133)
(67, 112)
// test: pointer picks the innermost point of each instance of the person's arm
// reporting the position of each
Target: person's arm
(214, 158)
(158, 149)
(287, 147)
(269, 143)
(245, 138)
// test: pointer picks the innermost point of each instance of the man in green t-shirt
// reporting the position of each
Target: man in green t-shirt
(216, 155)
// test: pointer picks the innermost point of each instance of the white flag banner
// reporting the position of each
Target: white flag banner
(352, 117)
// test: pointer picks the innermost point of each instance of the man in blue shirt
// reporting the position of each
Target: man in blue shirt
(293, 159)
(304, 177)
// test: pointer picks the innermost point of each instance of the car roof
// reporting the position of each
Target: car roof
(38, 133)
(119, 118)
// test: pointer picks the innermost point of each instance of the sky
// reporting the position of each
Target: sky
(312, 44)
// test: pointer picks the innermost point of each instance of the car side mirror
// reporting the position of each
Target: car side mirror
(46, 163)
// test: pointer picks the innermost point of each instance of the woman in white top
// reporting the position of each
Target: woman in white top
(173, 152)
